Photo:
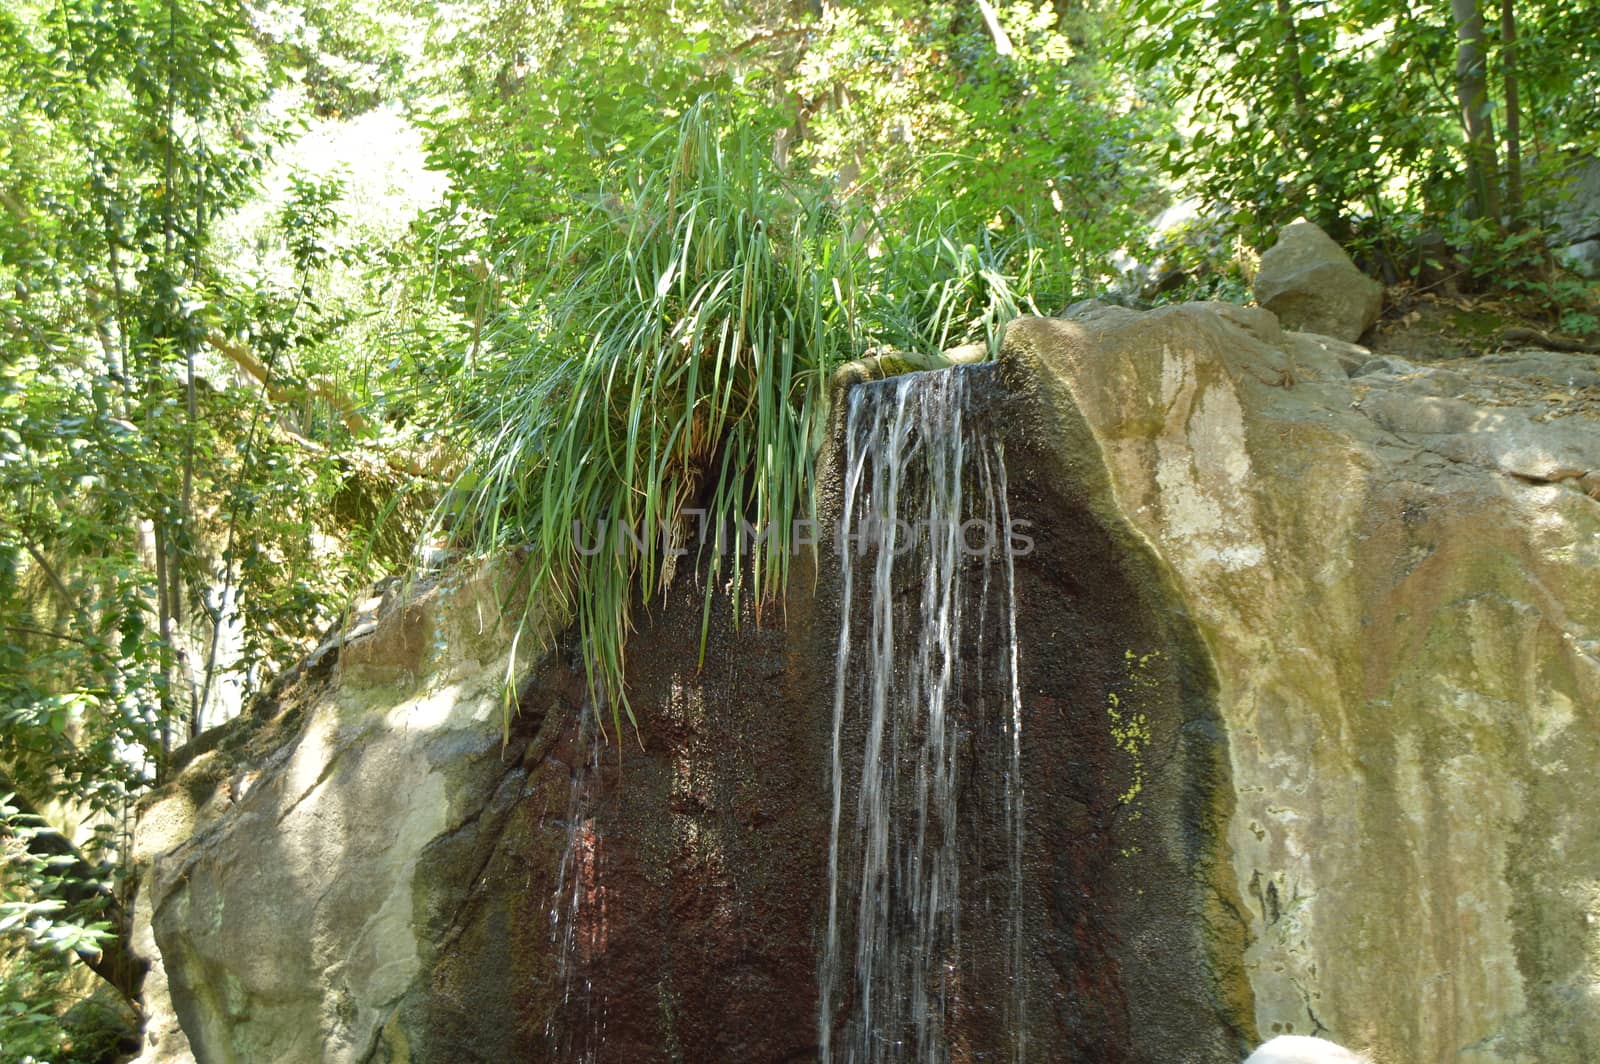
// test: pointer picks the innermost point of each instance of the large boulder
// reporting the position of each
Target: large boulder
(1576, 221)
(1397, 576)
(1312, 286)
(385, 875)
(286, 873)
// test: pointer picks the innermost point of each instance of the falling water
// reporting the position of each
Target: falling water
(574, 1032)
(927, 677)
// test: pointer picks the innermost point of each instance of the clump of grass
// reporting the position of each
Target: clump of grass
(674, 353)
(934, 288)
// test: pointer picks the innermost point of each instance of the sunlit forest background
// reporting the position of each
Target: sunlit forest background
(297, 295)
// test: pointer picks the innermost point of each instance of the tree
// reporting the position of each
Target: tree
(1472, 89)
(1360, 114)
(143, 497)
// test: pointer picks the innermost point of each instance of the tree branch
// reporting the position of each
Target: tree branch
(55, 579)
(991, 19)
(241, 356)
(23, 629)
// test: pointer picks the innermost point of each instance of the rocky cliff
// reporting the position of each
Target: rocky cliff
(1354, 601)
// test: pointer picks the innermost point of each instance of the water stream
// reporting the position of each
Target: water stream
(924, 938)
(577, 919)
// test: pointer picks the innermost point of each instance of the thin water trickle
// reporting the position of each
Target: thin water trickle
(574, 1032)
(935, 701)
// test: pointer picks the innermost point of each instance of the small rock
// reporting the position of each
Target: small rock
(1312, 286)
(1300, 1049)
(1397, 367)
(1086, 308)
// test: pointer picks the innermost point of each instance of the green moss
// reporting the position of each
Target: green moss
(1476, 324)
(1130, 726)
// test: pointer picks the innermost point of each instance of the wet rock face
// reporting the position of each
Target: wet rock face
(698, 850)
(1138, 939)
(394, 881)
(1127, 949)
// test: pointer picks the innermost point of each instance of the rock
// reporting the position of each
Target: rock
(1327, 358)
(966, 354)
(1387, 364)
(284, 895)
(1498, 439)
(1175, 240)
(396, 881)
(1086, 308)
(1299, 1049)
(1582, 258)
(1406, 414)
(1312, 286)
(1562, 370)
(1369, 617)
(1576, 225)
(1405, 629)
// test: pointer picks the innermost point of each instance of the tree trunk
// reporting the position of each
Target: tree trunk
(1513, 125)
(997, 32)
(1472, 89)
(1291, 52)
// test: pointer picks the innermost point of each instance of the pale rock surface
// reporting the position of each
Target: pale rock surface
(281, 903)
(1309, 282)
(1577, 218)
(1397, 576)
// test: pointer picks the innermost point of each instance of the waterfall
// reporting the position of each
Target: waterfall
(927, 724)
(577, 918)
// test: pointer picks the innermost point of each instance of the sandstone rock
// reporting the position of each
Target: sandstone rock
(1312, 286)
(282, 898)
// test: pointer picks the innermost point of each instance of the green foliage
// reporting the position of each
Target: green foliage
(1326, 111)
(928, 289)
(1347, 113)
(143, 496)
(675, 354)
(913, 108)
(38, 937)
